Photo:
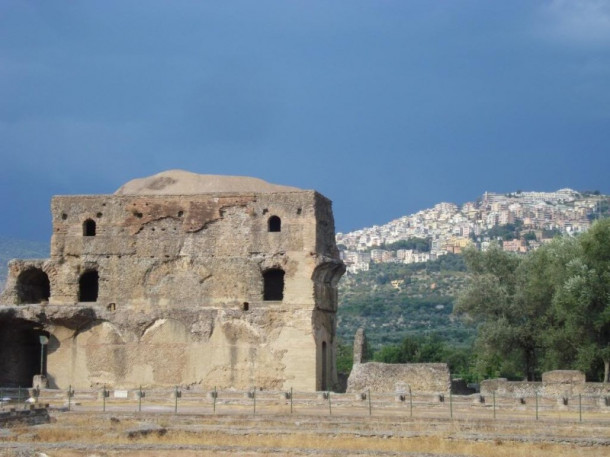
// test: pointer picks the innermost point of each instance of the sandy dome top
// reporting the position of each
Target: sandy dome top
(180, 182)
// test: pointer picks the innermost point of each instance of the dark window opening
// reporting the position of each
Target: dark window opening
(89, 228)
(275, 224)
(273, 284)
(88, 286)
(33, 287)
(20, 353)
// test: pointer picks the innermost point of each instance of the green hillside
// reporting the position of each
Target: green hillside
(11, 248)
(393, 300)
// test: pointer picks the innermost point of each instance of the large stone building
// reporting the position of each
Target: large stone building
(178, 279)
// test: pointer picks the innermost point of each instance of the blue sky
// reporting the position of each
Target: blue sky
(386, 107)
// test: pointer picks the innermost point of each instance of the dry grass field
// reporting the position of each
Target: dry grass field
(132, 434)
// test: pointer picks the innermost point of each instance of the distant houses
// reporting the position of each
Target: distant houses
(518, 221)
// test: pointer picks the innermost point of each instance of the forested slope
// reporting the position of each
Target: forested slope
(394, 300)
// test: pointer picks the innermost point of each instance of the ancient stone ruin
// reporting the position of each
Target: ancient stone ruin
(400, 378)
(178, 279)
(557, 383)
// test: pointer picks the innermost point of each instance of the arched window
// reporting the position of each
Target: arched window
(275, 224)
(33, 286)
(273, 288)
(89, 227)
(88, 286)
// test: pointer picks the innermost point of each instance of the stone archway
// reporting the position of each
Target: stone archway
(20, 352)
(33, 286)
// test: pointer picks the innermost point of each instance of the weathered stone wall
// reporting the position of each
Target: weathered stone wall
(396, 377)
(201, 249)
(360, 346)
(516, 388)
(563, 377)
(180, 296)
(557, 383)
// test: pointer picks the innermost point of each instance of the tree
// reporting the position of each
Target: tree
(345, 358)
(580, 335)
(529, 236)
(414, 243)
(541, 274)
(426, 349)
(510, 325)
(547, 310)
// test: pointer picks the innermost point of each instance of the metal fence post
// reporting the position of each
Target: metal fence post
(254, 400)
(494, 398)
(370, 407)
(580, 407)
(177, 394)
(214, 397)
(330, 409)
(19, 396)
(450, 404)
(291, 395)
(536, 405)
(105, 394)
(140, 399)
(70, 395)
(411, 401)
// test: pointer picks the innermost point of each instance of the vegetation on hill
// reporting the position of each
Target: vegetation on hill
(509, 232)
(394, 300)
(413, 243)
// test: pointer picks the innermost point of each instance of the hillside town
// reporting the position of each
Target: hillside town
(528, 219)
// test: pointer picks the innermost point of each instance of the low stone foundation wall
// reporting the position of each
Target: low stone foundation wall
(387, 377)
(32, 416)
(558, 384)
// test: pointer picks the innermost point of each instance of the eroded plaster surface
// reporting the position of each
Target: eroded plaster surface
(177, 283)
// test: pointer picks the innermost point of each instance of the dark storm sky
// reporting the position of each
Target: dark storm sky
(386, 107)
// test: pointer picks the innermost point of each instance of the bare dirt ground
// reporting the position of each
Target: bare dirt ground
(307, 433)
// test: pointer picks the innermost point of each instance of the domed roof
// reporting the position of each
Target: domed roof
(180, 182)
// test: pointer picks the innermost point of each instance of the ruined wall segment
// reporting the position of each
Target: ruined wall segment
(557, 383)
(433, 378)
(189, 279)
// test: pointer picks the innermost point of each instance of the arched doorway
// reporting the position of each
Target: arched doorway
(20, 352)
